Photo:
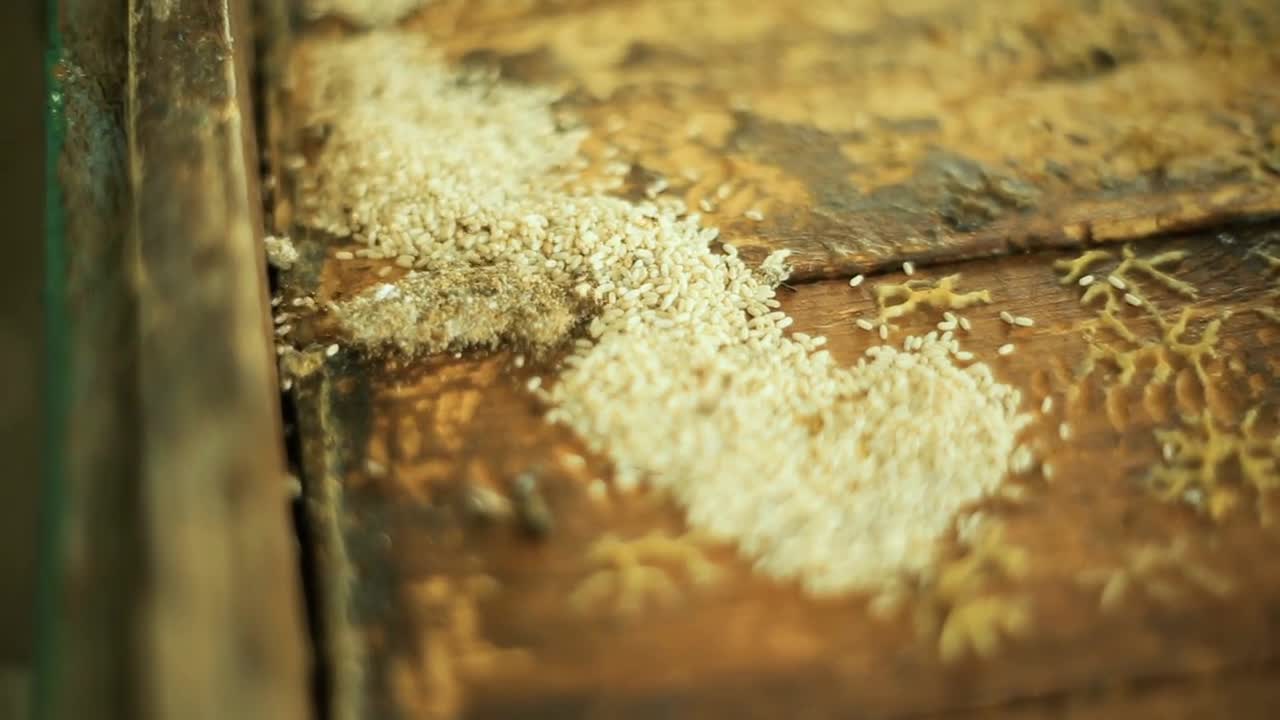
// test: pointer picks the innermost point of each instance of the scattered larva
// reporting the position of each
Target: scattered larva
(667, 318)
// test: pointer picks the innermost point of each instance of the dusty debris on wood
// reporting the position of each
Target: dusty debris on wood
(458, 308)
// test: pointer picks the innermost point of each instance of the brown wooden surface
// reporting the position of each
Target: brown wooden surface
(430, 613)
(220, 632)
(870, 132)
(101, 517)
(747, 646)
(177, 587)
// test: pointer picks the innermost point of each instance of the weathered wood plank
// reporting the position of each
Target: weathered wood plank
(1244, 692)
(179, 577)
(90, 538)
(404, 444)
(220, 608)
(869, 132)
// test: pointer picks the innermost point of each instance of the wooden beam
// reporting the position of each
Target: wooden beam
(177, 579)
(221, 631)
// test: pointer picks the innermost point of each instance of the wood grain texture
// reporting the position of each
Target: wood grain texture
(178, 589)
(85, 670)
(218, 612)
(870, 132)
(400, 447)
(867, 134)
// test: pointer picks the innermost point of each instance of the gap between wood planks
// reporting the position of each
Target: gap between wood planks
(1009, 250)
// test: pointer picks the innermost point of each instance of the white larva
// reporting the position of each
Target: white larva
(682, 348)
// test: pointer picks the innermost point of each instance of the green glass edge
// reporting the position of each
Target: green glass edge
(52, 540)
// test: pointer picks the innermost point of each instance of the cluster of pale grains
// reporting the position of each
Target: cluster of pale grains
(839, 477)
(367, 13)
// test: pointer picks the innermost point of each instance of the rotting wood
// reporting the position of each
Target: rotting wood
(179, 590)
(929, 131)
(424, 422)
(667, 101)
